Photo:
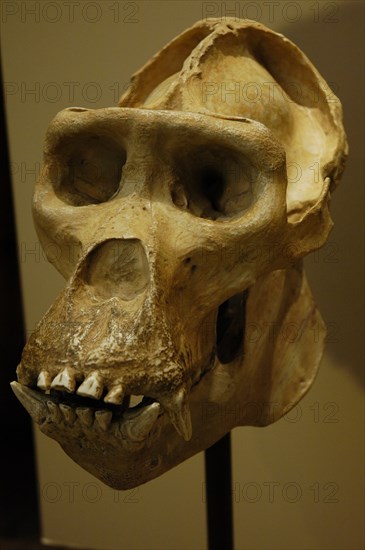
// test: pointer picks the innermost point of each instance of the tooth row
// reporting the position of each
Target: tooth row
(86, 416)
(135, 425)
(175, 404)
(91, 387)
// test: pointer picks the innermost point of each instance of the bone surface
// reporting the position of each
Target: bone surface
(188, 208)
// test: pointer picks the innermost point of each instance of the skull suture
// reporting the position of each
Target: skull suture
(180, 219)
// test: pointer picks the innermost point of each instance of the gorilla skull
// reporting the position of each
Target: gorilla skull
(179, 220)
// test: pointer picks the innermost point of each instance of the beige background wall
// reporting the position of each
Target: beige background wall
(298, 484)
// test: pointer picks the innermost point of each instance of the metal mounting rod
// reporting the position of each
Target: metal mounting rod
(218, 477)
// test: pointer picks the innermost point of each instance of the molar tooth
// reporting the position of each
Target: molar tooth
(65, 380)
(85, 415)
(115, 395)
(92, 386)
(136, 425)
(103, 418)
(178, 410)
(44, 381)
(68, 413)
(54, 412)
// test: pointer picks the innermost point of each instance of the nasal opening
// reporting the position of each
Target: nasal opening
(118, 267)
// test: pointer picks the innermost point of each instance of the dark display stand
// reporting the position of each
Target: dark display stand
(18, 488)
(218, 477)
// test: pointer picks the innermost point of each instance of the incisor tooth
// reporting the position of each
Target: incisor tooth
(85, 415)
(103, 419)
(44, 381)
(65, 380)
(115, 395)
(136, 425)
(54, 412)
(68, 413)
(92, 386)
(178, 410)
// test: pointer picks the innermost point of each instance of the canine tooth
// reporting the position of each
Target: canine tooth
(54, 412)
(115, 395)
(68, 413)
(104, 419)
(44, 381)
(85, 415)
(92, 386)
(136, 425)
(65, 380)
(33, 401)
(178, 410)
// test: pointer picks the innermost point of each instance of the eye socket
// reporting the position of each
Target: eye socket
(92, 170)
(213, 183)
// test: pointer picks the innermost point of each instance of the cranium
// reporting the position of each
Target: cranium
(179, 219)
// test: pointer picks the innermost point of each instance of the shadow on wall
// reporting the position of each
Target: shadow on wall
(336, 271)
